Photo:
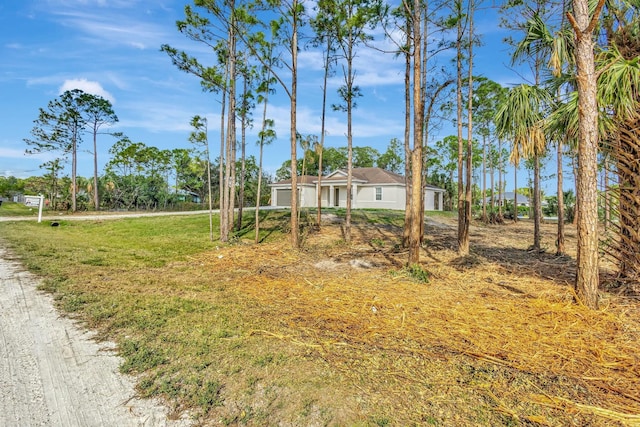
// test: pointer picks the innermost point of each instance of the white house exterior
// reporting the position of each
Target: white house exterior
(371, 188)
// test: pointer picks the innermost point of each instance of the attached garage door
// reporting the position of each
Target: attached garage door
(283, 197)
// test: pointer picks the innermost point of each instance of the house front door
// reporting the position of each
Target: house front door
(336, 197)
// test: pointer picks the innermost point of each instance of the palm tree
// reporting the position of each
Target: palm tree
(521, 118)
(562, 127)
(556, 50)
(614, 119)
(619, 89)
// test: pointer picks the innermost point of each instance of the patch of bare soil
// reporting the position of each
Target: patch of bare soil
(493, 338)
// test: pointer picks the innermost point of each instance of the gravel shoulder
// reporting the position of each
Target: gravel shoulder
(89, 216)
(52, 373)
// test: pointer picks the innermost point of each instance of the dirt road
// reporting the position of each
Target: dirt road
(52, 373)
(52, 216)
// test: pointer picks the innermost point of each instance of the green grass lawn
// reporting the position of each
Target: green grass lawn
(120, 277)
(16, 209)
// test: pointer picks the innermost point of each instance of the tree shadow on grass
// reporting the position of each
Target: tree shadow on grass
(488, 246)
(522, 262)
(270, 222)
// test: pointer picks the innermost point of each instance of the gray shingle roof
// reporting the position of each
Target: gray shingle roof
(302, 179)
(367, 175)
(362, 175)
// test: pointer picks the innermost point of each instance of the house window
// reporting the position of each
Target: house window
(378, 193)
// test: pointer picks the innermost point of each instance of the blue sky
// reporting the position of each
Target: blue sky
(112, 48)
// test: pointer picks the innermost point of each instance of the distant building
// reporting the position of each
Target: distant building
(187, 196)
(508, 196)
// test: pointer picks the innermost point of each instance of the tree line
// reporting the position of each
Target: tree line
(137, 176)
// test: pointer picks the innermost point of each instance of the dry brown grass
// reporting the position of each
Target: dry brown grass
(493, 338)
(344, 335)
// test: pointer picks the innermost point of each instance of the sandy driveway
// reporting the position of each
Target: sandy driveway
(52, 373)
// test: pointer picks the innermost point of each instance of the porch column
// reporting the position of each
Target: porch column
(331, 203)
(354, 196)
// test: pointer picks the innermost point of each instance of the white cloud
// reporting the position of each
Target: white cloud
(157, 117)
(311, 60)
(87, 86)
(43, 80)
(116, 80)
(15, 162)
(367, 123)
(372, 78)
(114, 27)
(85, 3)
(11, 153)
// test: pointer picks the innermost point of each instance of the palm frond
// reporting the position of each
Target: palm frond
(562, 49)
(521, 119)
(537, 39)
(562, 123)
(619, 84)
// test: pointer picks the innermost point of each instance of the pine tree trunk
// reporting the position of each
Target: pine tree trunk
(230, 166)
(257, 213)
(74, 167)
(493, 187)
(560, 242)
(406, 232)
(469, 160)
(261, 155)
(319, 191)
(463, 240)
(587, 275)
(347, 222)
(537, 211)
(243, 152)
(500, 185)
(327, 64)
(417, 217)
(515, 193)
(416, 187)
(96, 200)
(224, 231)
(484, 178)
(295, 232)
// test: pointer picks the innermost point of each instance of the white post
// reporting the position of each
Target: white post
(40, 208)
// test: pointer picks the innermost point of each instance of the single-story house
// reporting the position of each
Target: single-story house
(371, 188)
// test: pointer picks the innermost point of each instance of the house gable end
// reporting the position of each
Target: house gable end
(337, 174)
